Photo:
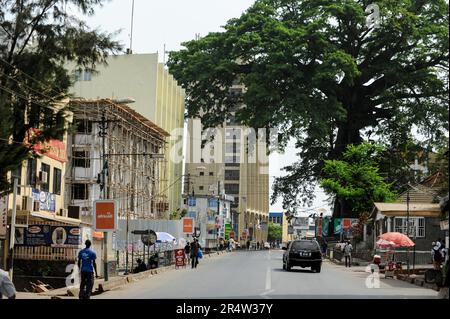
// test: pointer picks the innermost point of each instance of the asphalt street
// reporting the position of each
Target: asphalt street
(259, 274)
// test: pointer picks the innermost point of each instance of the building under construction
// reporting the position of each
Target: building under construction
(134, 166)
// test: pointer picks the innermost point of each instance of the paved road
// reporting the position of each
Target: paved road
(260, 275)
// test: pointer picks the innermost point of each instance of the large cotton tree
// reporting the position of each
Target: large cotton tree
(37, 38)
(321, 75)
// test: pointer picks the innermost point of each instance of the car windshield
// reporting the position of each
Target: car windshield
(304, 245)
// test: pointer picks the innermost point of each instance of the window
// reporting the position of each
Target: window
(83, 126)
(45, 186)
(232, 159)
(31, 172)
(416, 226)
(80, 191)
(233, 148)
(211, 173)
(17, 173)
(232, 175)
(57, 181)
(232, 189)
(305, 245)
(87, 75)
(77, 75)
(81, 159)
(202, 173)
(201, 188)
(233, 133)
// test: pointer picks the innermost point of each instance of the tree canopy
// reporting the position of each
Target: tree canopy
(37, 38)
(356, 179)
(315, 71)
(275, 232)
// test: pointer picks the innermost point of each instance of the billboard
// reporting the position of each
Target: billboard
(47, 201)
(3, 216)
(301, 223)
(188, 226)
(105, 215)
(50, 236)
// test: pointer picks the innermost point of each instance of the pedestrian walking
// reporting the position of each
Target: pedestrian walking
(187, 252)
(257, 245)
(7, 288)
(324, 247)
(87, 265)
(195, 246)
(248, 244)
(348, 248)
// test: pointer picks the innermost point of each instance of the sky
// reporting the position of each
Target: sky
(160, 24)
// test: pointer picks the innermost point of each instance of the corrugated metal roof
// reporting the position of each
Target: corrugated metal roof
(419, 194)
(413, 207)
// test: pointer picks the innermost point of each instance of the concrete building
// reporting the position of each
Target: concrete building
(281, 219)
(157, 97)
(232, 162)
(133, 145)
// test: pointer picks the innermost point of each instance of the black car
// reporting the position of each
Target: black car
(302, 253)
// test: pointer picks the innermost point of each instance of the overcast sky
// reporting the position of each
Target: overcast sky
(171, 22)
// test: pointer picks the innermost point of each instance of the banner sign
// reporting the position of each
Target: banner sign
(50, 236)
(3, 216)
(301, 223)
(105, 215)
(188, 226)
(219, 222)
(180, 258)
(47, 201)
(192, 202)
(212, 202)
(53, 148)
(325, 227)
(348, 224)
(227, 231)
(338, 226)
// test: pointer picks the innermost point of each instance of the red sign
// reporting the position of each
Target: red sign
(188, 225)
(232, 234)
(54, 149)
(105, 215)
(180, 260)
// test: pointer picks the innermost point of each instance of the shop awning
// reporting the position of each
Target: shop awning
(60, 219)
(401, 210)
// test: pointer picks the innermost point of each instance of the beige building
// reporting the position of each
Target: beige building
(236, 164)
(157, 96)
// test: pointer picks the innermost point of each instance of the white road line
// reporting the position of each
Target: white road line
(268, 279)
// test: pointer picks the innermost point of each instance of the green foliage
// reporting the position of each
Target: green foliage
(275, 232)
(37, 38)
(356, 178)
(315, 71)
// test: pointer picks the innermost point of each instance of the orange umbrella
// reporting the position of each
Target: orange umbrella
(399, 239)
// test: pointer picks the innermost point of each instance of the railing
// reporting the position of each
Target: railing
(45, 253)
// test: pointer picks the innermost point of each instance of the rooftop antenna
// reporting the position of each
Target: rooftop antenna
(130, 50)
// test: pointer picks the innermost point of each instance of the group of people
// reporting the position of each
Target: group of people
(193, 252)
(258, 245)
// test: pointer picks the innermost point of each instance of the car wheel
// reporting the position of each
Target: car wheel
(318, 269)
(284, 266)
(288, 267)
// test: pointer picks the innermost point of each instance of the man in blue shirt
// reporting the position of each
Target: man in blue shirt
(87, 266)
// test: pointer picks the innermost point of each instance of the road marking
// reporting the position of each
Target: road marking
(265, 294)
(268, 279)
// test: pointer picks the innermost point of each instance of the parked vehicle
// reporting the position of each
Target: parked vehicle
(302, 253)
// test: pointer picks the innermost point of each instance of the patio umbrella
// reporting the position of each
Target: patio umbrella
(162, 237)
(399, 239)
(382, 243)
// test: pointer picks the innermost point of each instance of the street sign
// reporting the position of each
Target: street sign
(3, 216)
(105, 215)
(180, 260)
(188, 225)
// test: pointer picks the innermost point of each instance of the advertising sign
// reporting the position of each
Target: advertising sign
(51, 236)
(219, 222)
(180, 260)
(301, 223)
(233, 235)
(53, 148)
(105, 215)
(192, 202)
(212, 203)
(227, 231)
(338, 226)
(3, 216)
(188, 226)
(348, 224)
(47, 201)
(325, 227)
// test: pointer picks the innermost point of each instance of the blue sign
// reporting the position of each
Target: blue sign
(192, 202)
(47, 201)
(52, 236)
(191, 214)
(212, 202)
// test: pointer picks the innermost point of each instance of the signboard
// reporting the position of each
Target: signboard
(227, 231)
(50, 236)
(148, 237)
(3, 216)
(325, 227)
(105, 215)
(180, 260)
(348, 224)
(47, 201)
(192, 202)
(219, 222)
(212, 203)
(188, 225)
(301, 223)
(53, 148)
(233, 235)
(191, 214)
(444, 225)
(338, 226)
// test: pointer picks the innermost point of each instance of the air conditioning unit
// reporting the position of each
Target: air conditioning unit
(27, 203)
(63, 212)
(74, 212)
(43, 177)
(36, 206)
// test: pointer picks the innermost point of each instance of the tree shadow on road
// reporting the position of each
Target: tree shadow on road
(305, 271)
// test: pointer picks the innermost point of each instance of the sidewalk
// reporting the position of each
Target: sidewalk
(101, 286)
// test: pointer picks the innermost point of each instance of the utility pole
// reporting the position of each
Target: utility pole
(12, 233)
(103, 133)
(407, 226)
(128, 229)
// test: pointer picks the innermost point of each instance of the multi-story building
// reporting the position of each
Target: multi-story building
(133, 145)
(281, 219)
(158, 97)
(233, 162)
